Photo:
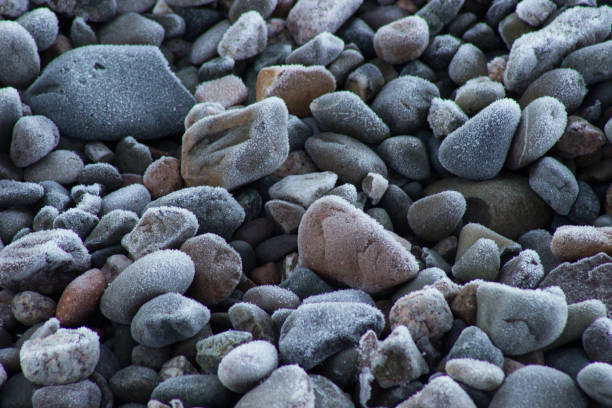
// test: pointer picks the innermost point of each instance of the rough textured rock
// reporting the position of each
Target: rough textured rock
(436, 216)
(402, 40)
(311, 17)
(21, 63)
(572, 242)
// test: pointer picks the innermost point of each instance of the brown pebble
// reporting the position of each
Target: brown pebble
(580, 138)
(266, 274)
(298, 162)
(131, 178)
(163, 176)
(295, 84)
(227, 91)
(464, 304)
(256, 231)
(80, 298)
(572, 242)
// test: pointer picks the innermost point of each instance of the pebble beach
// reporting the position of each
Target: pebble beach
(305, 204)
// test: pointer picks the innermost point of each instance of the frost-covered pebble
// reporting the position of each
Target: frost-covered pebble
(60, 165)
(43, 25)
(597, 340)
(303, 189)
(30, 308)
(555, 184)
(132, 198)
(479, 261)
(79, 221)
(478, 93)
(211, 350)
(474, 344)
(523, 271)
(286, 214)
(18, 193)
(365, 81)
(320, 50)
(131, 28)
(271, 298)
(565, 84)
(441, 392)
(287, 386)
(445, 116)
(436, 216)
(133, 384)
(594, 380)
(467, 63)
(193, 390)
(407, 155)
(535, 12)
(374, 186)
(249, 317)
(85, 394)
(19, 55)
(425, 312)
(245, 38)
(311, 17)
(228, 90)
(402, 40)
(475, 373)
(247, 364)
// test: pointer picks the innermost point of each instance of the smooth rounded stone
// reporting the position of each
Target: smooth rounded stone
(271, 298)
(30, 308)
(542, 124)
(80, 298)
(335, 238)
(344, 112)
(79, 221)
(154, 274)
(216, 210)
(588, 61)
(537, 52)
(348, 192)
(541, 386)
(287, 386)
(245, 365)
(523, 271)
(467, 63)
(19, 53)
(470, 233)
(62, 166)
(55, 195)
(173, 24)
(256, 231)
(406, 155)
(228, 91)
(365, 81)
(12, 221)
(17, 392)
(441, 50)
(535, 12)
(311, 17)
(424, 312)
(42, 24)
(132, 156)
(402, 40)
(565, 84)
(167, 319)
(586, 208)
(305, 283)
(83, 394)
(478, 149)
(596, 380)
(263, 7)
(43, 261)
(202, 110)
(579, 316)
(520, 321)
(477, 374)
(555, 184)
(418, 69)
(275, 248)
(124, 86)
(569, 360)
(211, 350)
(257, 144)
(381, 216)
(404, 102)
(347, 61)
(597, 340)
(342, 296)
(193, 390)
(102, 173)
(43, 220)
(303, 189)
(205, 46)
(63, 356)
(440, 392)
(81, 33)
(133, 384)
(110, 229)
(134, 197)
(10, 113)
(478, 93)
(328, 394)
(482, 36)
(287, 215)
(19, 193)
(245, 38)
(216, 68)
(436, 216)
(320, 50)
(253, 319)
(132, 28)
(345, 156)
(479, 261)
(473, 343)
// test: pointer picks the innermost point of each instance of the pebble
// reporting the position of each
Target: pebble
(19, 53)
(345, 156)
(569, 360)
(43, 220)
(227, 91)
(134, 197)
(580, 138)
(402, 40)
(55, 195)
(84, 394)
(571, 242)
(62, 166)
(427, 276)
(286, 214)
(479, 261)
(463, 152)
(474, 344)
(132, 156)
(297, 85)
(374, 186)
(322, 49)
(334, 239)
(263, 7)
(133, 384)
(365, 81)
(287, 386)
(346, 62)
(167, 319)
(275, 248)
(328, 394)
(216, 210)
(468, 62)
(211, 350)
(597, 340)
(535, 12)
(436, 216)
(10, 113)
(303, 189)
(579, 316)
(132, 28)
(440, 51)
(414, 95)
(478, 93)
(80, 298)
(30, 308)
(305, 283)
(520, 321)
(104, 71)
(102, 173)
(154, 274)
(342, 296)
(271, 298)
(311, 17)
(251, 318)
(471, 232)
(18, 193)
(42, 24)
(406, 155)
(63, 356)
(257, 144)
(247, 364)
(441, 392)
(81, 33)
(205, 46)
(424, 312)
(245, 38)
(594, 380)
(79, 221)
(477, 374)
(12, 221)
(536, 385)
(535, 53)
(587, 61)
(523, 271)
(586, 208)
(565, 84)
(193, 391)
(110, 229)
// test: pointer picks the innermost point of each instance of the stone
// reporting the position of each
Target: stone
(535, 12)
(374, 186)
(312, 333)
(33, 138)
(62, 166)
(328, 394)
(477, 93)
(350, 159)
(477, 374)
(205, 46)
(216, 210)
(167, 319)
(110, 229)
(320, 50)
(474, 344)
(311, 17)
(19, 53)
(586, 208)
(520, 321)
(365, 81)
(523, 271)
(80, 298)
(43, 220)
(539, 51)
(463, 152)
(102, 173)
(12, 221)
(202, 110)
(346, 62)
(587, 61)
(536, 385)
(304, 283)
(77, 220)
(133, 384)
(579, 316)
(131, 28)
(468, 62)
(565, 84)
(245, 38)
(271, 298)
(441, 392)
(414, 95)
(227, 91)
(263, 7)
(424, 312)
(154, 274)
(571, 242)
(194, 390)
(331, 226)
(84, 394)
(81, 33)
(406, 155)
(236, 147)
(132, 156)
(124, 86)
(10, 113)
(402, 40)
(247, 364)
(297, 85)
(303, 189)
(30, 308)
(342, 296)
(251, 318)
(287, 215)
(133, 197)
(597, 340)
(580, 138)
(440, 51)
(594, 380)
(479, 261)
(287, 386)
(160, 228)
(344, 112)
(63, 356)
(211, 350)
(19, 193)
(436, 216)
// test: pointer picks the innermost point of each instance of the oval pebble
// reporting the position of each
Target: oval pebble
(62, 166)
(245, 38)
(402, 40)
(131, 28)
(565, 84)
(436, 216)
(84, 394)
(555, 184)
(80, 298)
(43, 25)
(407, 155)
(475, 373)
(19, 55)
(596, 380)
(246, 365)
(287, 386)
(424, 312)
(320, 50)
(195, 391)
(597, 340)
(270, 298)
(33, 138)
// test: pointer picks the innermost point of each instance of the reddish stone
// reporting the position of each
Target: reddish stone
(256, 231)
(580, 138)
(80, 298)
(266, 274)
(163, 176)
(131, 178)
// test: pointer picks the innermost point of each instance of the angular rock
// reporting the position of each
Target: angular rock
(245, 38)
(320, 50)
(303, 189)
(311, 17)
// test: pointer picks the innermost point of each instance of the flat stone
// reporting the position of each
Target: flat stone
(132, 28)
(62, 166)
(271, 298)
(335, 238)
(579, 316)
(133, 197)
(303, 189)
(286, 214)
(110, 229)
(311, 17)
(124, 84)
(236, 147)
(407, 155)
(555, 184)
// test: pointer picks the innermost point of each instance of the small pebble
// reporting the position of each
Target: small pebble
(535, 12)
(565, 84)
(477, 374)
(19, 53)
(30, 308)
(523, 271)
(131, 28)
(441, 392)
(271, 298)
(110, 229)
(251, 318)
(479, 261)
(374, 186)
(597, 340)
(477, 93)
(133, 384)
(365, 81)
(132, 156)
(84, 394)
(227, 91)
(33, 138)
(320, 50)
(436, 216)
(77, 220)
(43, 25)
(402, 40)
(80, 298)
(245, 365)
(62, 166)
(303, 189)
(580, 138)
(245, 38)
(467, 63)
(594, 380)
(311, 17)
(425, 312)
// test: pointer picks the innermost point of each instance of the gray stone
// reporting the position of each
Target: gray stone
(365, 81)
(117, 90)
(83, 394)
(478, 93)
(586, 208)
(131, 156)
(60, 165)
(132, 28)
(523, 271)
(311, 17)
(467, 63)
(253, 319)
(438, 13)
(477, 374)
(205, 46)
(211, 350)
(10, 112)
(134, 197)
(569, 360)
(247, 364)
(287, 215)
(263, 7)
(304, 283)
(19, 55)
(110, 229)
(579, 316)
(303, 189)
(102, 173)
(342, 296)
(539, 240)
(43, 25)
(271, 298)
(320, 50)
(56, 195)
(328, 394)
(436, 216)
(473, 343)
(596, 381)
(597, 340)
(565, 84)
(441, 50)
(287, 386)
(79, 221)
(589, 62)
(440, 392)
(535, 12)
(81, 33)
(479, 261)
(427, 276)
(43, 220)
(555, 184)
(402, 40)
(245, 38)
(18, 193)
(407, 155)
(133, 384)
(194, 390)
(444, 117)
(347, 61)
